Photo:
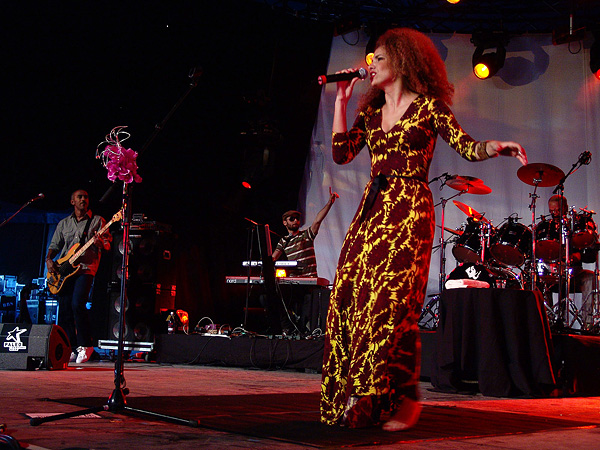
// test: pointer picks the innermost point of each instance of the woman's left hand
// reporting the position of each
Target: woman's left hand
(494, 148)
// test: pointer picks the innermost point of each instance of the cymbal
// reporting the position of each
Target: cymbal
(452, 230)
(470, 185)
(470, 211)
(540, 174)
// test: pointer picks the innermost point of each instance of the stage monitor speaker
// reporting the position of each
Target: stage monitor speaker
(30, 347)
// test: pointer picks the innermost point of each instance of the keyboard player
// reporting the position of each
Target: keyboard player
(298, 246)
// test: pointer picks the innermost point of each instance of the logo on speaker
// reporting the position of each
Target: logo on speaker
(13, 340)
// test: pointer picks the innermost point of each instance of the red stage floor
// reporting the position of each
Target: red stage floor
(269, 409)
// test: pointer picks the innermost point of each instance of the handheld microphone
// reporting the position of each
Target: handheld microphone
(347, 76)
(40, 196)
(585, 158)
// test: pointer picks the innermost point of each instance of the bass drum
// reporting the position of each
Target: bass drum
(497, 277)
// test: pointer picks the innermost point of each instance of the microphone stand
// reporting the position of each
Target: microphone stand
(117, 402)
(251, 231)
(564, 299)
(21, 209)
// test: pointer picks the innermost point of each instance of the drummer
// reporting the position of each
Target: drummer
(582, 280)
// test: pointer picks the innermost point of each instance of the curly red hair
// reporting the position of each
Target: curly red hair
(414, 58)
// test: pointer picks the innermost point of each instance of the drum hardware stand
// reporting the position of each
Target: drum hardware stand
(484, 239)
(564, 300)
(534, 198)
(595, 300)
(433, 305)
(429, 317)
(563, 303)
(592, 323)
(442, 275)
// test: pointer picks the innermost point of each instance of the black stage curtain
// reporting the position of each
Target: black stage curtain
(494, 340)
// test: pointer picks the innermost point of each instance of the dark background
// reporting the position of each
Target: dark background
(75, 70)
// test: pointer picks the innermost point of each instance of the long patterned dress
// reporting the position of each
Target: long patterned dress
(372, 347)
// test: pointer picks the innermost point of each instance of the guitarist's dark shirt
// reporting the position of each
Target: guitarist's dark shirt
(68, 233)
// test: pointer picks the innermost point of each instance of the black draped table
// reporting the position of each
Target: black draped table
(495, 340)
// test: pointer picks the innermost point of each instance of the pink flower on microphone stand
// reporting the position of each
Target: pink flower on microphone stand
(120, 162)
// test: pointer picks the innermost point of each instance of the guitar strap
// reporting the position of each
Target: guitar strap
(85, 231)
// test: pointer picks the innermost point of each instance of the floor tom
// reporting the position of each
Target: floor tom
(585, 233)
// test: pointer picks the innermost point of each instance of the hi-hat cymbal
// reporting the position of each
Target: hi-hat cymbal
(470, 211)
(470, 185)
(452, 230)
(468, 178)
(540, 174)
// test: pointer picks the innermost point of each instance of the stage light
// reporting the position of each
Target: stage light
(246, 185)
(178, 320)
(184, 317)
(453, 1)
(595, 55)
(485, 65)
(280, 273)
(374, 30)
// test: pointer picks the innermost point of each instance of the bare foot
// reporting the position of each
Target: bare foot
(405, 417)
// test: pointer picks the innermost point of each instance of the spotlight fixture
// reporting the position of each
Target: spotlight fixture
(595, 54)
(370, 49)
(485, 65)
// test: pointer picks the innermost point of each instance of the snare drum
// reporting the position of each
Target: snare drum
(547, 240)
(547, 272)
(584, 230)
(512, 244)
(497, 277)
(468, 246)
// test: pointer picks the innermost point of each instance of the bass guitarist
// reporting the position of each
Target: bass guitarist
(76, 230)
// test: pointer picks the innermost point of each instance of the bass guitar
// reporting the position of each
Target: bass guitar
(66, 265)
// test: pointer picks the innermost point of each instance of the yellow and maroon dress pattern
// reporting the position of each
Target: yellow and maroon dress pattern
(372, 348)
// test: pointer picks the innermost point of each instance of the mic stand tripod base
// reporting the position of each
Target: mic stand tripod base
(116, 403)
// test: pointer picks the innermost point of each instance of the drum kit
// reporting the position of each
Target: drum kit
(517, 256)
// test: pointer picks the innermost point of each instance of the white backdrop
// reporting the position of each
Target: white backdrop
(545, 97)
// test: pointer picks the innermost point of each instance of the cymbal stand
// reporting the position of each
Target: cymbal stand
(564, 303)
(485, 231)
(442, 275)
(534, 198)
